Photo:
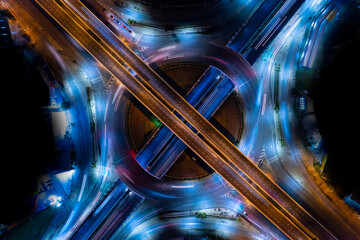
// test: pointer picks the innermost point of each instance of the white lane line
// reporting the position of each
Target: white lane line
(263, 104)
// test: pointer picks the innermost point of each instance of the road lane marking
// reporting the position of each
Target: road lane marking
(263, 104)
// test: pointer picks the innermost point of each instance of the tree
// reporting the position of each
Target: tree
(65, 105)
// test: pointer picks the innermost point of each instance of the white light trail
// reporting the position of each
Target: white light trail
(82, 187)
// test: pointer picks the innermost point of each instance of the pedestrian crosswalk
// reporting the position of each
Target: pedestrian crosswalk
(263, 157)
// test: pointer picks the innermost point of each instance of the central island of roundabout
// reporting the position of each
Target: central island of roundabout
(220, 84)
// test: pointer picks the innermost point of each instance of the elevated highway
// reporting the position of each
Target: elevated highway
(210, 135)
(220, 154)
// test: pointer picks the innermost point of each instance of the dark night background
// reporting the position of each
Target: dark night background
(27, 147)
(27, 144)
(337, 100)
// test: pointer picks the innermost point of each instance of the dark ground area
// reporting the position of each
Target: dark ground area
(337, 101)
(27, 145)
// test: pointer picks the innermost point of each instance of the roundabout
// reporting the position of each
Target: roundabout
(236, 76)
